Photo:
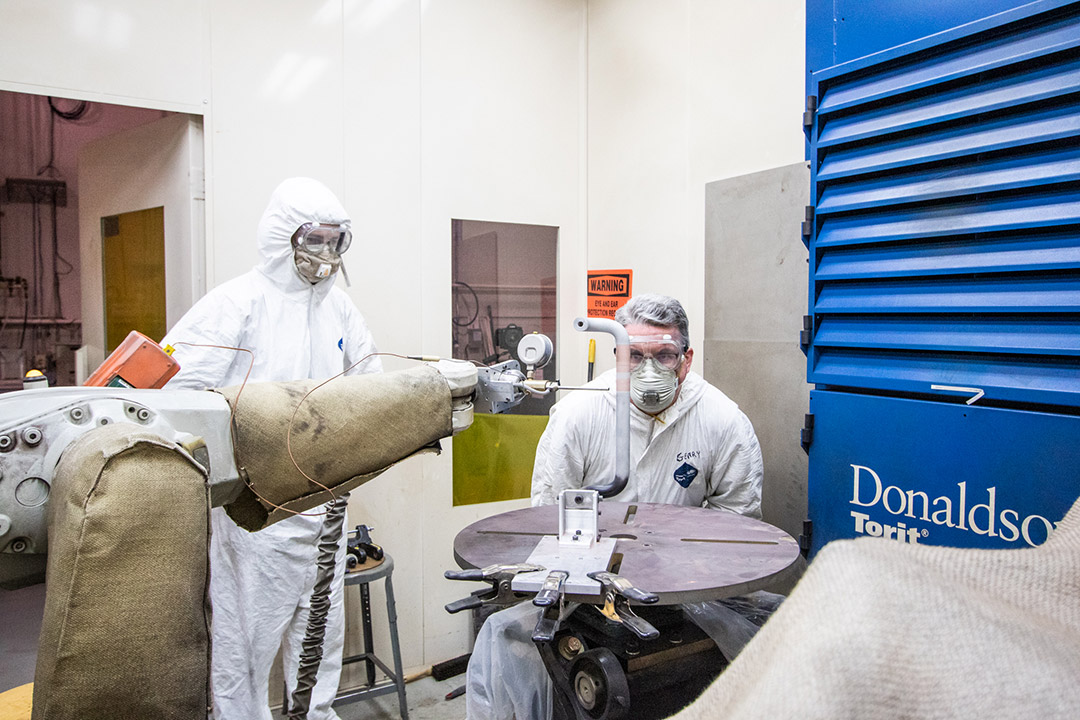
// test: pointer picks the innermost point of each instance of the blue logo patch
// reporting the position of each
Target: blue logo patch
(340, 342)
(685, 474)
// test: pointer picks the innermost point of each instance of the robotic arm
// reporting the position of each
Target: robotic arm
(36, 426)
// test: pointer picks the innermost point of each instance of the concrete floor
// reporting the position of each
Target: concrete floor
(20, 618)
(426, 699)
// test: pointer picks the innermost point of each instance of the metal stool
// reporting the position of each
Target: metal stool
(395, 680)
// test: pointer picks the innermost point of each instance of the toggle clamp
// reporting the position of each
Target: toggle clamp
(499, 576)
(550, 602)
(618, 592)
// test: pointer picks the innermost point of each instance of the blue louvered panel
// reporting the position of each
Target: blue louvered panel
(1039, 125)
(937, 334)
(983, 295)
(1026, 39)
(1047, 209)
(1013, 379)
(945, 244)
(1042, 84)
(1049, 165)
(1002, 254)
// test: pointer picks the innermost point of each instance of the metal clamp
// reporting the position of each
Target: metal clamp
(359, 547)
(550, 599)
(500, 592)
(618, 592)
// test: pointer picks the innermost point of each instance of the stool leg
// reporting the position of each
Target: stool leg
(399, 677)
(369, 640)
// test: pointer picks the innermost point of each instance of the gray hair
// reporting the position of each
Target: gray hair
(658, 310)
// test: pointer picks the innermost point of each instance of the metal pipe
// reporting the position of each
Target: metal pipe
(622, 400)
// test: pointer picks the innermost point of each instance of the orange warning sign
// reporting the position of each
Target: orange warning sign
(608, 291)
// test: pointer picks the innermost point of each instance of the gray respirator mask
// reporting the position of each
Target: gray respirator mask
(315, 267)
(317, 249)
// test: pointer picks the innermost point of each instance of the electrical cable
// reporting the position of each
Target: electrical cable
(26, 312)
(288, 431)
(71, 115)
(39, 280)
(58, 309)
(35, 254)
(334, 497)
(232, 421)
(78, 112)
(476, 304)
(52, 142)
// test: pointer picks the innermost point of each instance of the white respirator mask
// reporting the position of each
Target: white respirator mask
(654, 379)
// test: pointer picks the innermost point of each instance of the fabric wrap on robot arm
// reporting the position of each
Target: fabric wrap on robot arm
(126, 628)
(345, 433)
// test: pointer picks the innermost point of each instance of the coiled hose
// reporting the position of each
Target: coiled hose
(312, 647)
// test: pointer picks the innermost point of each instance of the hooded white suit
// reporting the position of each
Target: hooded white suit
(261, 582)
(700, 451)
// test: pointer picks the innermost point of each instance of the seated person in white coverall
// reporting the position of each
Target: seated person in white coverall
(298, 326)
(689, 445)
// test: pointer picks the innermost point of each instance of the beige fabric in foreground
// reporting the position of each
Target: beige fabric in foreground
(345, 433)
(125, 633)
(878, 629)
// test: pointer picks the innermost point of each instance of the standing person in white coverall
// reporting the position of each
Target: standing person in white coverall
(288, 313)
(689, 445)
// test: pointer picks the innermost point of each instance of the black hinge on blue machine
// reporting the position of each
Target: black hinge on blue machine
(811, 110)
(806, 435)
(807, 332)
(806, 537)
(807, 227)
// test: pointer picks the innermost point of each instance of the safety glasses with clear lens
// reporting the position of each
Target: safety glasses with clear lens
(318, 237)
(661, 348)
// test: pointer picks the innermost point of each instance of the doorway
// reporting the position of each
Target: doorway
(50, 288)
(133, 274)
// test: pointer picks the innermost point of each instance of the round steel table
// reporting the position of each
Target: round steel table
(682, 554)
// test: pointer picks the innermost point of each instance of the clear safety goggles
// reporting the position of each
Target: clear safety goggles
(319, 237)
(661, 348)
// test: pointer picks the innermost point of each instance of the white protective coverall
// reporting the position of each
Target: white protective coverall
(701, 451)
(261, 583)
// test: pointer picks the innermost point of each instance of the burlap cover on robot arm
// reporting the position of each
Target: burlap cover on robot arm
(125, 633)
(344, 434)
(881, 630)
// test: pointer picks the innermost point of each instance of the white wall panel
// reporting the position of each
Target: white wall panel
(682, 93)
(278, 112)
(134, 52)
(638, 147)
(746, 101)
(637, 135)
(501, 107)
(381, 155)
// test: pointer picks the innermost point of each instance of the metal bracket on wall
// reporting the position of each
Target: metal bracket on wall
(806, 435)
